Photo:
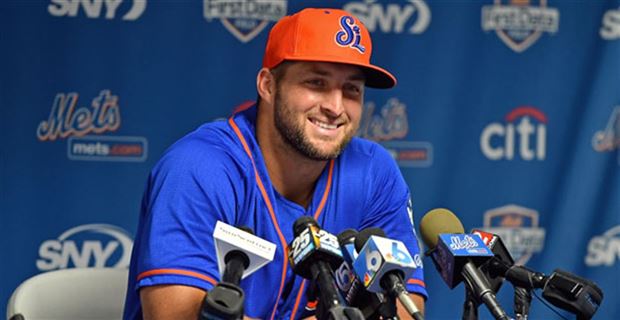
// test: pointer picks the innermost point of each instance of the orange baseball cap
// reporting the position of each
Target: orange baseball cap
(325, 35)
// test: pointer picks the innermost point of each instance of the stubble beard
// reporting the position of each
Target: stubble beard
(293, 134)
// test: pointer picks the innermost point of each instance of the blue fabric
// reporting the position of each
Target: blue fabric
(207, 176)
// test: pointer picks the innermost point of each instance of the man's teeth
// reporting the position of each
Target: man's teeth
(325, 125)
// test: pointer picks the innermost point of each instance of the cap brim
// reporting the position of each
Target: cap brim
(376, 77)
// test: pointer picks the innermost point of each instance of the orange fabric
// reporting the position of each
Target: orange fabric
(176, 272)
(416, 281)
(299, 293)
(319, 210)
(274, 220)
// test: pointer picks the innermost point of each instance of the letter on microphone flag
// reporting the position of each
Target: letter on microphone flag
(228, 238)
(379, 256)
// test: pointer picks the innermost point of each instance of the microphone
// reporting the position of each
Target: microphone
(573, 293)
(313, 254)
(496, 269)
(456, 256)
(382, 264)
(374, 306)
(562, 289)
(239, 253)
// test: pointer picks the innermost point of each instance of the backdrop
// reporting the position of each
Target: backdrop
(507, 113)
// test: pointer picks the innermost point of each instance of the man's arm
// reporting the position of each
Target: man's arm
(172, 302)
(417, 299)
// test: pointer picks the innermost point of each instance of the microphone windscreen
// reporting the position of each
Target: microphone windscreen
(302, 223)
(347, 236)
(365, 234)
(436, 222)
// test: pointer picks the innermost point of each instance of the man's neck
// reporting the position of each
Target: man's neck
(293, 175)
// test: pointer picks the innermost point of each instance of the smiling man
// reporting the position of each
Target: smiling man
(292, 154)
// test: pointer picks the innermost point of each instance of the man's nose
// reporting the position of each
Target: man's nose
(333, 103)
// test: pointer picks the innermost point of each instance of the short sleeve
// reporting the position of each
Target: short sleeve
(192, 187)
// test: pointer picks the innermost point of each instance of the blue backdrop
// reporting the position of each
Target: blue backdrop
(506, 112)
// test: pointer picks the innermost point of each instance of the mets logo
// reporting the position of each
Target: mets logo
(608, 139)
(66, 120)
(349, 35)
(519, 24)
(245, 19)
(389, 126)
(518, 228)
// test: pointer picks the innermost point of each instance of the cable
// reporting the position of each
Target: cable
(548, 305)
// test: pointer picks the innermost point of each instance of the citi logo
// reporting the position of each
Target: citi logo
(413, 17)
(89, 245)
(519, 134)
(94, 9)
(610, 29)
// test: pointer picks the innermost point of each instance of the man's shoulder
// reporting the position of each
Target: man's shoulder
(212, 145)
(367, 151)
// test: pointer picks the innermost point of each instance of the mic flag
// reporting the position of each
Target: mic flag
(228, 238)
(453, 251)
(379, 256)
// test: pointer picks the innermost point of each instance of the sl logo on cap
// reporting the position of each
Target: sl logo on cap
(349, 35)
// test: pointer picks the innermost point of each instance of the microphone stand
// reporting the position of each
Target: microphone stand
(522, 300)
(470, 307)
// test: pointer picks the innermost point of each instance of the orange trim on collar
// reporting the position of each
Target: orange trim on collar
(274, 219)
(328, 186)
(301, 289)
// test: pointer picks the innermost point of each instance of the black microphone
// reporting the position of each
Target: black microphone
(563, 289)
(237, 262)
(374, 306)
(239, 253)
(457, 256)
(313, 254)
(383, 264)
(496, 269)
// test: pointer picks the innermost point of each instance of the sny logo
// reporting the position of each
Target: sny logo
(85, 246)
(504, 147)
(518, 24)
(608, 139)
(604, 250)
(392, 17)
(93, 8)
(610, 30)
(349, 35)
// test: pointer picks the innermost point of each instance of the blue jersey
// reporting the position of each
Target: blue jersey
(218, 173)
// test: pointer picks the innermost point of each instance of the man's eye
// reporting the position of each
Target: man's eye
(315, 82)
(353, 89)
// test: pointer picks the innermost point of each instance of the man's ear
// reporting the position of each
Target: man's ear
(266, 85)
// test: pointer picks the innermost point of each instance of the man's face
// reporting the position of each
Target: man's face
(318, 107)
